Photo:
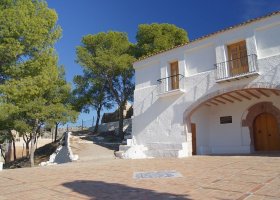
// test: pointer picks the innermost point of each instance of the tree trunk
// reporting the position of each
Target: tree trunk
(32, 150)
(55, 133)
(52, 134)
(33, 137)
(97, 119)
(14, 148)
(27, 141)
(2, 153)
(121, 133)
(27, 150)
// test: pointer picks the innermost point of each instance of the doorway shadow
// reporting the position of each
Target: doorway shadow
(254, 154)
(99, 190)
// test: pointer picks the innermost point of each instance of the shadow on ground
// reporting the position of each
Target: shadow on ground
(257, 154)
(99, 190)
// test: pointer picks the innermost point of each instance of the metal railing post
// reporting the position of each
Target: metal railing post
(236, 67)
(164, 83)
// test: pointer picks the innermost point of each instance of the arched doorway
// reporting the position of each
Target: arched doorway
(214, 135)
(266, 133)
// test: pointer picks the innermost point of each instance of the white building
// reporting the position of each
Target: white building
(218, 94)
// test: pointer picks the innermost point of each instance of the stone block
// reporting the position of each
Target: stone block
(123, 147)
(162, 153)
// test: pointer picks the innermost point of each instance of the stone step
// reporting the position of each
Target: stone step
(129, 129)
(128, 136)
(128, 133)
(164, 146)
(162, 153)
(119, 154)
(123, 148)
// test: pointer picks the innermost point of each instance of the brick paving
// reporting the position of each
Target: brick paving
(204, 177)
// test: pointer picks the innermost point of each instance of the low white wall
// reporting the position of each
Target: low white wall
(63, 153)
(113, 126)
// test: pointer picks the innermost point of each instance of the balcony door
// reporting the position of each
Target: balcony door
(238, 58)
(174, 71)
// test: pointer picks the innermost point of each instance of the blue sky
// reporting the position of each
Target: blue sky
(198, 17)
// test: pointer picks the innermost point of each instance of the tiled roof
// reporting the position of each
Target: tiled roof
(214, 33)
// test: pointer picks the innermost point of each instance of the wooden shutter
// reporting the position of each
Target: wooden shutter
(238, 58)
(174, 69)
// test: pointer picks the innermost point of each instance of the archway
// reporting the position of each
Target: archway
(226, 95)
(256, 110)
(258, 99)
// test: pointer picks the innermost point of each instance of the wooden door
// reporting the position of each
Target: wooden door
(193, 129)
(174, 75)
(238, 58)
(266, 133)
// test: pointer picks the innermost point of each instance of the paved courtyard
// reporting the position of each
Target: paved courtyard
(203, 177)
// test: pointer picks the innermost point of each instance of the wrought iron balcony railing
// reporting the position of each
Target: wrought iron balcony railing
(236, 68)
(171, 83)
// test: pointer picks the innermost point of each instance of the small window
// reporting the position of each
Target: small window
(226, 120)
(174, 75)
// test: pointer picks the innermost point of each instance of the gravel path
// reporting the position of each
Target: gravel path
(87, 150)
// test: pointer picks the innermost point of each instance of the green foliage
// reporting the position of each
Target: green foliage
(106, 56)
(33, 90)
(91, 91)
(27, 28)
(152, 38)
(105, 53)
(61, 110)
(107, 62)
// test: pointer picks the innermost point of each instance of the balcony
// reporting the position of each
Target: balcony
(237, 68)
(171, 85)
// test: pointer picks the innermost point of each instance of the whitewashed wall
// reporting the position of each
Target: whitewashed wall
(200, 59)
(147, 75)
(161, 120)
(268, 40)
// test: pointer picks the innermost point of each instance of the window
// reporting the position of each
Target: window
(238, 59)
(174, 71)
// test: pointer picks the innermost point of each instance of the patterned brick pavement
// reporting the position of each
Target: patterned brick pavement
(203, 177)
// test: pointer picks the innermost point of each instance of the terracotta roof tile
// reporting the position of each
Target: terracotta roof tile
(211, 34)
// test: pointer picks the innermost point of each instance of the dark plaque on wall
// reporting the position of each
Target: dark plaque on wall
(226, 120)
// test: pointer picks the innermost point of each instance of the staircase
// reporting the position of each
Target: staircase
(153, 150)
(127, 139)
(161, 150)
(128, 133)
